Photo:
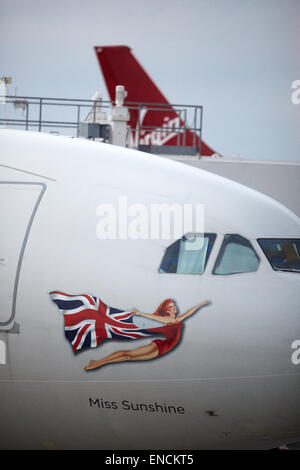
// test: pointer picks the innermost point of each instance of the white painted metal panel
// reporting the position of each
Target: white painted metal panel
(18, 202)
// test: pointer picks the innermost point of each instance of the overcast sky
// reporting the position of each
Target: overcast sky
(238, 58)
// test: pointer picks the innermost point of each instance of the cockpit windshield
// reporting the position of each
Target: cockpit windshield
(283, 253)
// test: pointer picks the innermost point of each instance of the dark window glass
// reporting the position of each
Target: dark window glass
(283, 253)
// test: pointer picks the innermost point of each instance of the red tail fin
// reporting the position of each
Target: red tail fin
(120, 67)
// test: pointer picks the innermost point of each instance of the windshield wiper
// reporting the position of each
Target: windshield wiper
(292, 270)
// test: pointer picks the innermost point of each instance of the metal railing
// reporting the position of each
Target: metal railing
(182, 126)
(35, 108)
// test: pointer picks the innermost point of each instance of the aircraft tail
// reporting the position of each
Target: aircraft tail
(120, 67)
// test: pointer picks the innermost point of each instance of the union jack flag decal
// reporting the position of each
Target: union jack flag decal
(88, 320)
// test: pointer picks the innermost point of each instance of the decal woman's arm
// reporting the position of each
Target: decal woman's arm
(159, 318)
(192, 310)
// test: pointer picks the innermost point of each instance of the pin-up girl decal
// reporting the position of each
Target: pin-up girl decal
(88, 322)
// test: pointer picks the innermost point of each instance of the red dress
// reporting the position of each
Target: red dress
(173, 335)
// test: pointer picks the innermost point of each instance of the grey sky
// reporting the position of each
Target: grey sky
(236, 57)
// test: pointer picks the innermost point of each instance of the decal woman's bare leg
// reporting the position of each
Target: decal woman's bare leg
(143, 353)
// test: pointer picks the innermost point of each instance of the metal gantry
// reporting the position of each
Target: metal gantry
(64, 116)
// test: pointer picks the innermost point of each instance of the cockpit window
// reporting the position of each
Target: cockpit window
(236, 256)
(188, 255)
(283, 253)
